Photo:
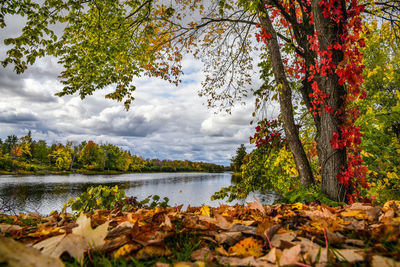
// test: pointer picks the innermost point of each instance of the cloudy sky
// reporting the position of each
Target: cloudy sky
(165, 121)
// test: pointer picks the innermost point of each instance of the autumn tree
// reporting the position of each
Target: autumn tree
(115, 158)
(92, 156)
(310, 52)
(61, 156)
(40, 151)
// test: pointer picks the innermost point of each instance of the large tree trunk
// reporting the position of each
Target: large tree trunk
(331, 160)
(285, 100)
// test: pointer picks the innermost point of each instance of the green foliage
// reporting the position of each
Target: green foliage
(137, 163)
(105, 43)
(115, 158)
(237, 160)
(153, 201)
(9, 143)
(380, 112)
(307, 195)
(6, 162)
(100, 197)
(40, 151)
(105, 197)
(61, 156)
(267, 168)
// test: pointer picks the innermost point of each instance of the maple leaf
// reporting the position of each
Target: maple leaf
(76, 244)
(247, 247)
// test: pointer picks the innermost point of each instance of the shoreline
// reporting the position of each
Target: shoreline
(85, 172)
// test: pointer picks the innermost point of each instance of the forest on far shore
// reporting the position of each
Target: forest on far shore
(27, 156)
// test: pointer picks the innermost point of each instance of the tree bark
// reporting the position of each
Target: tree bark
(285, 101)
(331, 160)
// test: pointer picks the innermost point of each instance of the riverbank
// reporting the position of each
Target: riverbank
(90, 172)
(252, 235)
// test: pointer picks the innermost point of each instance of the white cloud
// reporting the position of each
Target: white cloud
(165, 121)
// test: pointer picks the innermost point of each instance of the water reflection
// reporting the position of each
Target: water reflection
(45, 193)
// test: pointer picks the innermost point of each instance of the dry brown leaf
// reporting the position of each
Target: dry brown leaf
(355, 242)
(317, 255)
(167, 223)
(317, 215)
(276, 239)
(203, 254)
(247, 247)
(15, 254)
(256, 205)
(220, 250)
(229, 238)
(77, 243)
(290, 256)
(379, 261)
(270, 257)
(349, 255)
(233, 261)
(334, 238)
(6, 228)
(306, 244)
(222, 222)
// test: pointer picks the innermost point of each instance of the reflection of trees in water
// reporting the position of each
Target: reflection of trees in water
(236, 178)
(44, 195)
(265, 196)
(176, 180)
(29, 197)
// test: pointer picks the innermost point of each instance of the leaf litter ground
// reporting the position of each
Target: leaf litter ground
(252, 235)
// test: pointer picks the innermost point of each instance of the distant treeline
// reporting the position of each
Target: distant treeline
(26, 155)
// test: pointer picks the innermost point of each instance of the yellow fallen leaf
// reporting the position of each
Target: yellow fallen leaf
(126, 250)
(298, 206)
(358, 214)
(153, 251)
(205, 210)
(247, 223)
(247, 247)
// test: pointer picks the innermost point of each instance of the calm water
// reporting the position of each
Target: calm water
(43, 194)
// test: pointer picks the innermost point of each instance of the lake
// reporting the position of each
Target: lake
(43, 194)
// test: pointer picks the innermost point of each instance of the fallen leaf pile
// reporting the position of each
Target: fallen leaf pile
(252, 235)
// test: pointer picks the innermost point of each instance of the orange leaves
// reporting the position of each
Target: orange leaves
(247, 247)
(254, 235)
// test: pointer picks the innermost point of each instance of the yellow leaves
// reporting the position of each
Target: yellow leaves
(366, 154)
(247, 247)
(46, 231)
(205, 211)
(125, 250)
(358, 214)
(298, 206)
(392, 175)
